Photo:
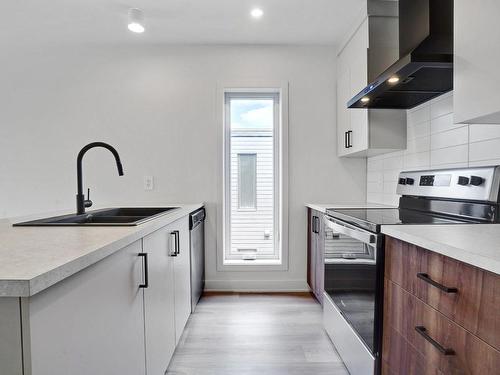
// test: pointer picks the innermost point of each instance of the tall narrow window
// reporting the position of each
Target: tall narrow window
(251, 178)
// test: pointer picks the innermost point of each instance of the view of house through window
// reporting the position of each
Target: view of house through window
(251, 211)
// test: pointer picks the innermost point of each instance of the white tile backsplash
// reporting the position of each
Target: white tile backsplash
(421, 129)
(434, 142)
(484, 132)
(420, 144)
(485, 150)
(443, 123)
(419, 115)
(455, 137)
(449, 155)
(417, 160)
(442, 107)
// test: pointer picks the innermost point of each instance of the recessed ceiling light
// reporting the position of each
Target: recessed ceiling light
(257, 13)
(365, 99)
(393, 79)
(136, 20)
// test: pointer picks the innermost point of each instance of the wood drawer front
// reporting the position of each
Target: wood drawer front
(399, 357)
(476, 304)
(403, 312)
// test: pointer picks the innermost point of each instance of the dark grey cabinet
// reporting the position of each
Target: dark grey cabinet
(315, 253)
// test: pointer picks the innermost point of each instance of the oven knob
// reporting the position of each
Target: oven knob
(476, 180)
(402, 181)
(409, 181)
(463, 180)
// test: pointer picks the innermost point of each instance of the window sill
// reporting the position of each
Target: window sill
(253, 265)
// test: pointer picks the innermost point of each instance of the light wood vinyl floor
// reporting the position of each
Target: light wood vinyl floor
(261, 334)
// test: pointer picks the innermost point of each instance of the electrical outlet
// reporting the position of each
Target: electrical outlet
(148, 183)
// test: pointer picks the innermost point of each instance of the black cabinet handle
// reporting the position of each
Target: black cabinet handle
(174, 252)
(349, 139)
(346, 145)
(427, 279)
(423, 332)
(146, 271)
(315, 224)
(177, 242)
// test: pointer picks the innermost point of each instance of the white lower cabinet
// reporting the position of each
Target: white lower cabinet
(182, 277)
(123, 315)
(167, 296)
(90, 323)
(159, 302)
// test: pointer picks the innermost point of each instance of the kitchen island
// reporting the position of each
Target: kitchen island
(89, 300)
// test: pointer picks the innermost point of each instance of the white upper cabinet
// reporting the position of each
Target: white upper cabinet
(477, 57)
(363, 132)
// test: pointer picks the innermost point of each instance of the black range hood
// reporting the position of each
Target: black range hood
(425, 67)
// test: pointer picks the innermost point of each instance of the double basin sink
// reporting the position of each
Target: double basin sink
(124, 216)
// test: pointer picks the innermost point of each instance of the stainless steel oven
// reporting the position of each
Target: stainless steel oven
(354, 251)
(353, 278)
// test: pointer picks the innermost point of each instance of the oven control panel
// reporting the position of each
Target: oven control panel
(481, 183)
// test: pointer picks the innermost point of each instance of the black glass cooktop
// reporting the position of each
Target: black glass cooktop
(372, 218)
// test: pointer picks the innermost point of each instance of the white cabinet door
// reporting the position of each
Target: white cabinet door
(352, 78)
(476, 57)
(343, 116)
(358, 59)
(90, 323)
(182, 276)
(159, 302)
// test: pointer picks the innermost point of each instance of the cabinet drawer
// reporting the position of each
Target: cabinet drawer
(399, 357)
(477, 293)
(467, 353)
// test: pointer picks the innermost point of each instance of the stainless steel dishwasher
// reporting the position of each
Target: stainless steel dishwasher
(197, 248)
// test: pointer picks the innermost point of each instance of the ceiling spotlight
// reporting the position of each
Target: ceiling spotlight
(393, 80)
(257, 13)
(136, 20)
(365, 99)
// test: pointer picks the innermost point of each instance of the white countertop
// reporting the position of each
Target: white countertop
(34, 258)
(475, 244)
(322, 207)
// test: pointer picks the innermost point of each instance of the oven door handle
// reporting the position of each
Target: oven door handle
(358, 234)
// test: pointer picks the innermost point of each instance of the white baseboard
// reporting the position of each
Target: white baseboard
(256, 286)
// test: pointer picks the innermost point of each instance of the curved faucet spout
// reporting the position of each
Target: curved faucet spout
(81, 203)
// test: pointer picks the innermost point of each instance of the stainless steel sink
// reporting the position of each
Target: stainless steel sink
(123, 216)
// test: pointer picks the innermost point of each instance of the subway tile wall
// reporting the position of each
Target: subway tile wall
(434, 142)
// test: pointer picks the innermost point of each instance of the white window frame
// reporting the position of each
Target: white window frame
(281, 177)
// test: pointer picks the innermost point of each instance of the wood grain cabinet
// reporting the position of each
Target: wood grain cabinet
(315, 253)
(441, 316)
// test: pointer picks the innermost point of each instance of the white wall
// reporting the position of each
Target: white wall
(157, 105)
(434, 142)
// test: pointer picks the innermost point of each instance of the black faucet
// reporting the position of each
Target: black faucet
(81, 202)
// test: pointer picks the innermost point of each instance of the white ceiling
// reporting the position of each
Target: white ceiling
(178, 21)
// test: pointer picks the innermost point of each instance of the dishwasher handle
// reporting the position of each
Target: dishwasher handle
(196, 218)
